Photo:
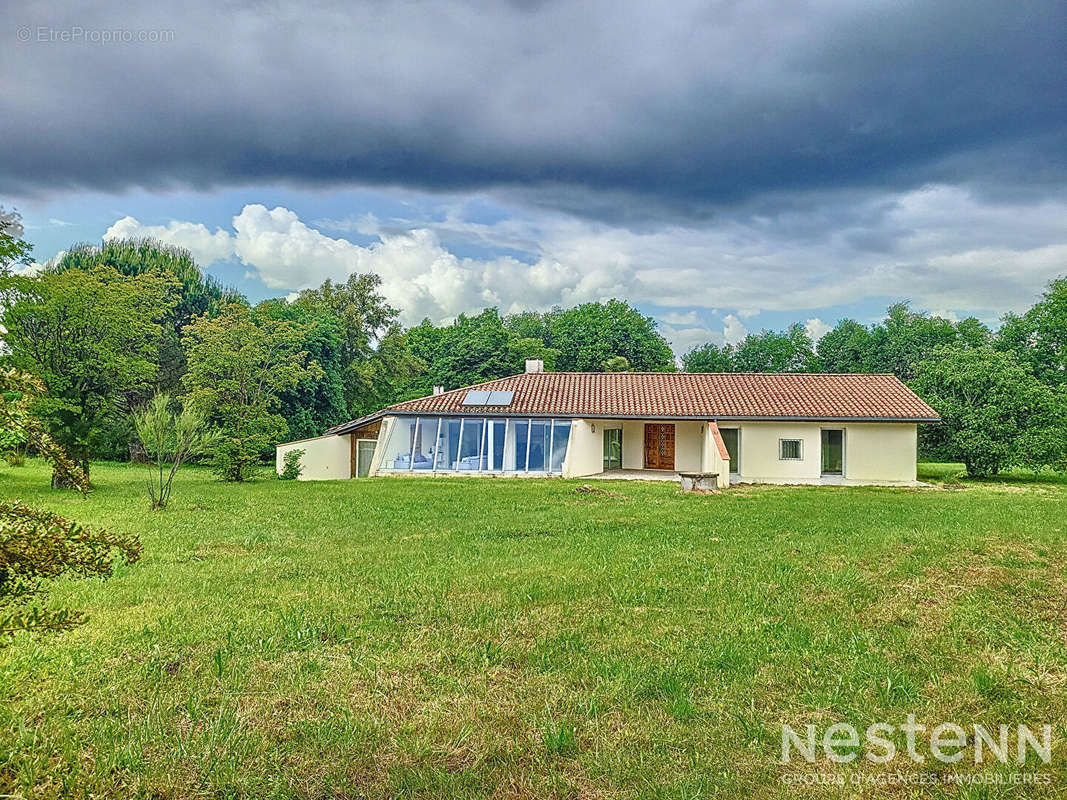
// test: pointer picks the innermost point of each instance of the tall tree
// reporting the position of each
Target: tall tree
(470, 350)
(316, 402)
(13, 248)
(906, 338)
(994, 412)
(590, 334)
(197, 294)
(1039, 337)
(364, 320)
(767, 351)
(709, 358)
(847, 348)
(93, 338)
(238, 370)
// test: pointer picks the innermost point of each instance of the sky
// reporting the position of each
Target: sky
(725, 166)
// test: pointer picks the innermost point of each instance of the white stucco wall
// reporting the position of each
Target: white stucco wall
(874, 452)
(880, 452)
(325, 458)
(585, 450)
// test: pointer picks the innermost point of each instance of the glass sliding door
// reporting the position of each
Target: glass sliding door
(613, 448)
(540, 433)
(470, 445)
(520, 438)
(496, 435)
(561, 435)
(833, 452)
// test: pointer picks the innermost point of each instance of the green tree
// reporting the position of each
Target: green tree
(169, 437)
(389, 375)
(470, 350)
(238, 370)
(315, 403)
(1039, 337)
(364, 322)
(906, 338)
(709, 358)
(590, 334)
(994, 412)
(93, 338)
(197, 293)
(19, 390)
(767, 351)
(13, 248)
(847, 348)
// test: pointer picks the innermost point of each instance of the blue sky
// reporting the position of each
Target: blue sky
(726, 167)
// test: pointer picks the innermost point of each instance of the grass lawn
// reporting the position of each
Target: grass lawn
(524, 638)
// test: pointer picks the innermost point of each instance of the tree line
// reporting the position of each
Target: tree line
(107, 328)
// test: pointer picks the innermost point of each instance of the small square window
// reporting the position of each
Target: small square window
(790, 449)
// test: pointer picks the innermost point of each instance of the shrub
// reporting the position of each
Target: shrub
(291, 466)
(169, 438)
(38, 546)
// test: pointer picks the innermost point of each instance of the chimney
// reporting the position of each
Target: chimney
(439, 390)
(534, 365)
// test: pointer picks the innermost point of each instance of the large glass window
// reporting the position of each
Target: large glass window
(422, 443)
(470, 445)
(519, 433)
(496, 434)
(476, 444)
(450, 445)
(561, 435)
(397, 453)
(540, 433)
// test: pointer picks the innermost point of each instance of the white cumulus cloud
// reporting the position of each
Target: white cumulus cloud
(734, 331)
(195, 237)
(817, 329)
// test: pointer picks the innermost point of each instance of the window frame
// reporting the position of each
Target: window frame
(781, 449)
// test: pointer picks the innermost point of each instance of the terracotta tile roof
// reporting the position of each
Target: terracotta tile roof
(719, 443)
(678, 395)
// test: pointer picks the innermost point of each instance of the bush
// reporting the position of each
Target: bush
(38, 546)
(291, 466)
(168, 438)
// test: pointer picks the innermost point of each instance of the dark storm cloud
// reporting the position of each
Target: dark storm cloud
(607, 109)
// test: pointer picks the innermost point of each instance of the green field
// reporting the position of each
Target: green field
(531, 638)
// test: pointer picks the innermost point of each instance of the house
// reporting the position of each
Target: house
(746, 427)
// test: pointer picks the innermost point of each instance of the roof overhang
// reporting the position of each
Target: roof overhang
(348, 427)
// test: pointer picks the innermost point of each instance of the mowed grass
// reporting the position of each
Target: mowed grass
(533, 638)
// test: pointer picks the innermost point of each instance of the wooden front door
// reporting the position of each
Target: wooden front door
(659, 446)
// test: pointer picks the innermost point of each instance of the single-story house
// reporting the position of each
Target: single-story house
(742, 427)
